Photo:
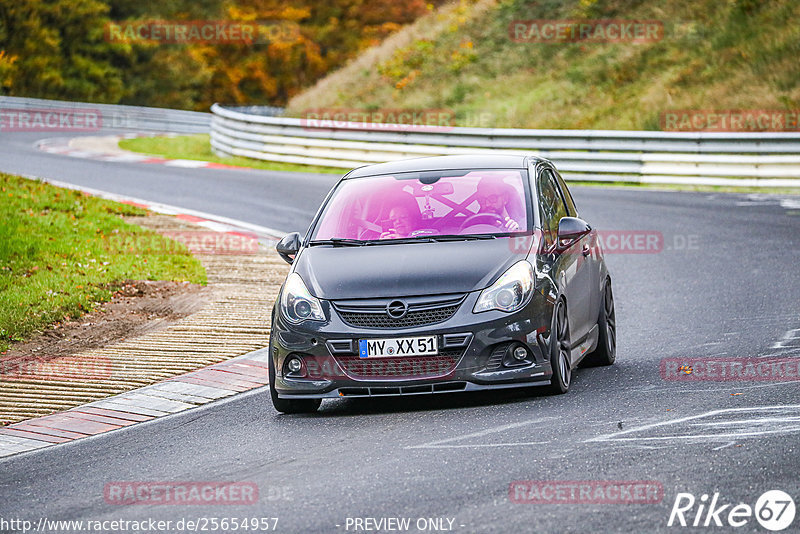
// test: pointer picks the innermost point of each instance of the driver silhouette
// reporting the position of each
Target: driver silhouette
(499, 198)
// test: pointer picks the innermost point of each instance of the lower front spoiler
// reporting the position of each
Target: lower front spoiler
(417, 389)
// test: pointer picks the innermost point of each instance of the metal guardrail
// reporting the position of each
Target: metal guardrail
(264, 111)
(743, 159)
(135, 118)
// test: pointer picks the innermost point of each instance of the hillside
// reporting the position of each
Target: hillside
(130, 52)
(740, 54)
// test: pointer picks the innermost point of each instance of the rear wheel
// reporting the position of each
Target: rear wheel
(559, 351)
(606, 351)
(289, 405)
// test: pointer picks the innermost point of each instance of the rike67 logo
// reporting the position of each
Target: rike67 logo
(774, 510)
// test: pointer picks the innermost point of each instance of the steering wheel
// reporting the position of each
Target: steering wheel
(494, 219)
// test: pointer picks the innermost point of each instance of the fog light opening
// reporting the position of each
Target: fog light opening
(516, 355)
(294, 365)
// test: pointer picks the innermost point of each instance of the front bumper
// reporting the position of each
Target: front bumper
(473, 355)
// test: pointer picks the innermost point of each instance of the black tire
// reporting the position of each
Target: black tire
(290, 405)
(606, 351)
(559, 351)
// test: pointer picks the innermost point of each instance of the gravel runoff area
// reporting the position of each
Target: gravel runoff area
(242, 286)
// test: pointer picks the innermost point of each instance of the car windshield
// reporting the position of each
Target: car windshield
(423, 205)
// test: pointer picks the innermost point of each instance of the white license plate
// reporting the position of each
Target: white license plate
(402, 346)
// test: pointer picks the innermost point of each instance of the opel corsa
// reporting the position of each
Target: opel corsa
(440, 274)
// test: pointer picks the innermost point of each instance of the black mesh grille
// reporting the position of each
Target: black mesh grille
(412, 318)
(403, 367)
(496, 358)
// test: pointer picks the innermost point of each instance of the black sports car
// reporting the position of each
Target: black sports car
(440, 274)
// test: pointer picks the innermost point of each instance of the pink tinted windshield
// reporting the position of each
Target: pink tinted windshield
(395, 207)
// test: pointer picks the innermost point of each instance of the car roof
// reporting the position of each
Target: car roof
(435, 163)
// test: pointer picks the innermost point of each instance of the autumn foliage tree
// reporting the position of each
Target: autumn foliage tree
(58, 49)
(55, 49)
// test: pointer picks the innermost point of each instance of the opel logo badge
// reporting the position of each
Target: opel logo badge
(396, 309)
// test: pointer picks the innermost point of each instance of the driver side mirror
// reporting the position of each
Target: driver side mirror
(288, 247)
(570, 229)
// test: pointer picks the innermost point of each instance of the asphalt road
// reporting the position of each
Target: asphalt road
(725, 284)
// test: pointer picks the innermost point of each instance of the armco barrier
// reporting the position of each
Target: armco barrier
(130, 118)
(743, 159)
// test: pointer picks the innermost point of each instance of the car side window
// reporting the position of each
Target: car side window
(551, 206)
(571, 209)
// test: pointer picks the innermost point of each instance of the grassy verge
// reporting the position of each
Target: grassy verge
(197, 147)
(62, 254)
(735, 55)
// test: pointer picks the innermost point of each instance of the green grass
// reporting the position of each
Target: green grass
(62, 253)
(738, 54)
(197, 147)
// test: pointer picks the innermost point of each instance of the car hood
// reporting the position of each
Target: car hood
(404, 269)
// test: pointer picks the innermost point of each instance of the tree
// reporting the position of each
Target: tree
(58, 50)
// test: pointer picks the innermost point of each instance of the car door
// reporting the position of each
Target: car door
(570, 268)
(593, 259)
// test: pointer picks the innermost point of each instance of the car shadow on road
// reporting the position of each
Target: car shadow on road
(422, 403)
(584, 381)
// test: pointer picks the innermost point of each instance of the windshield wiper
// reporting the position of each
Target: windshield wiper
(462, 237)
(425, 238)
(340, 242)
(404, 240)
(430, 238)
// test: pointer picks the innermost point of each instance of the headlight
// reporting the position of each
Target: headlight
(297, 304)
(511, 291)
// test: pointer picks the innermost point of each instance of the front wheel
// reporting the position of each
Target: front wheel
(559, 351)
(289, 405)
(606, 351)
